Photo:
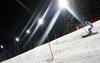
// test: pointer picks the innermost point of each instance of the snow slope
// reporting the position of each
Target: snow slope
(71, 48)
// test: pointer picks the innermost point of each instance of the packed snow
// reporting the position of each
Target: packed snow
(71, 48)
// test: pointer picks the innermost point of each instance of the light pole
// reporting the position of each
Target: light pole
(16, 44)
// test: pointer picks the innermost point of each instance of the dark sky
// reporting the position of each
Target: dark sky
(14, 17)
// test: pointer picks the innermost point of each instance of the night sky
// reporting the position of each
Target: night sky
(14, 18)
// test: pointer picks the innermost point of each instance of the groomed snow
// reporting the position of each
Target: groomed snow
(71, 48)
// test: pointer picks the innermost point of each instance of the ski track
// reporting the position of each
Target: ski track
(71, 48)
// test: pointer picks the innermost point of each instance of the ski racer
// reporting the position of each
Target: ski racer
(91, 26)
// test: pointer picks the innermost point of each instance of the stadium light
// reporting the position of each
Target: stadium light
(63, 3)
(17, 39)
(40, 21)
(5, 50)
(28, 31)
(1, 46)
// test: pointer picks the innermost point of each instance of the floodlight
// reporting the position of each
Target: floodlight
(1, 46)
(63, 3)
(17, 39)
(40, 21)
(28, 31)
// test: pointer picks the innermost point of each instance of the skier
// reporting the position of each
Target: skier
(90, 30)
(91, 26)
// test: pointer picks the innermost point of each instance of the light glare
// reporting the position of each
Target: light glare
(63, 3)
(40, 21)
(50, 26)
(28, 31)
(17, 39)
(1, 46)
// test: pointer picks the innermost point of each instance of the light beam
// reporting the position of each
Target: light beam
(50, 26)
(75, 14)
(28, 23)
(24, 6)
(63, 3)
(34, 32)
(44, 15)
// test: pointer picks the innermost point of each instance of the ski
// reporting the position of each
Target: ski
(89, 34)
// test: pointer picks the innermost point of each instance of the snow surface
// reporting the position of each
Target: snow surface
(71, 48)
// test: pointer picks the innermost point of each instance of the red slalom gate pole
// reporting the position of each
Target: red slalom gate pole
(50, 48)
(83, 26)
